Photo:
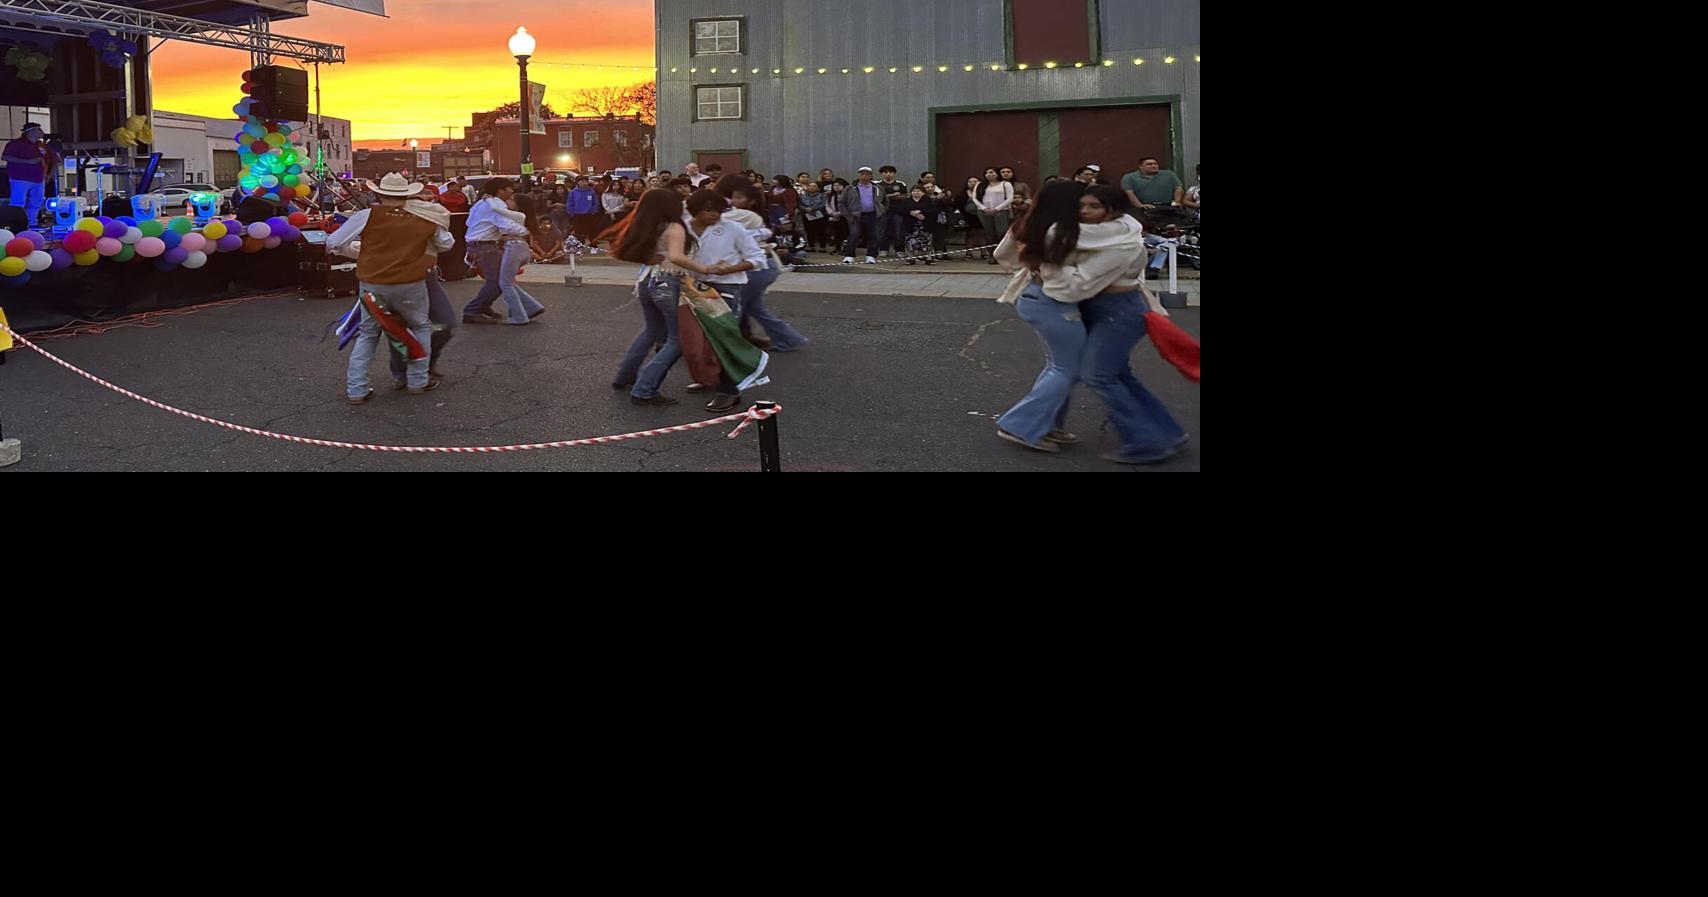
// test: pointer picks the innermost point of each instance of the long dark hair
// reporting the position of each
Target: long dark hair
(1057, 206)
(493, 185)
(1113, 197)
(636, 237)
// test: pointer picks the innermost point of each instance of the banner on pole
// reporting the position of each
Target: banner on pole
(537, 99)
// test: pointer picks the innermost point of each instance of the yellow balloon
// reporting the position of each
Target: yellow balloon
(243, 172)
(214, 230)
(275, 139)
(12, 266)
(85, 259)
(91, 225)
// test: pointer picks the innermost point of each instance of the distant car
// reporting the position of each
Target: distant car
(177, 195)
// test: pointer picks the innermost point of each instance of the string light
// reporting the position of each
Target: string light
(822, 71)
(1197, 59)
(1079, 65)
(844, 71)
(941, 69)
(994, 68)
(714, 71)
(1168, 60)
(1049, 65)
(918, 68)
(803, 71)
(893, 70)
(1024, 66)
(776, 71)
(1138, 62)
(868, 70)
(693, 71)
(1108, 62)
(970, 68)
(756, 71)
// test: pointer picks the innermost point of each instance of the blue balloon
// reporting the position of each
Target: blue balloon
(294, 169)
(171, 238)
(272, 196)
(17, 280)
(127, 220)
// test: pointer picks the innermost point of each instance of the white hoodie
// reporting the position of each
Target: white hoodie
(1110, 255)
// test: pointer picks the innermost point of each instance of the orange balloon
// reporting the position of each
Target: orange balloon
(252, 245)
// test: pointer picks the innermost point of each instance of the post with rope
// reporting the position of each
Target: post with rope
(770, 454)
(11, 450)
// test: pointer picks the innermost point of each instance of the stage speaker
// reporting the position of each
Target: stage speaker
(256, 208)
(280, 93)
(12, 218)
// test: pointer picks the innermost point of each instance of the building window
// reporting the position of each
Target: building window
(620, 138)
(565, 139)
(718, 103)
(714, 37)
(591, 138)
(1045, 31)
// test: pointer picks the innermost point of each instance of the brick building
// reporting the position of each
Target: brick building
(587, 144)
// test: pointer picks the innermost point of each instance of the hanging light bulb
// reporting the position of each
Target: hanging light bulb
(1023, 66)
(1197, 59)
(776, 71)
(941, 69)
(714, 71)
(1108, 62)
(845, 71)
(893, 70)
(1049, 65)
(693, 71)
(1138, 62)
(1168, 60)
(673, 71)
(756, 71)
(995, 68)
(918, 68)
(868, 70)
(803, 71)
(1079, 65)
(822, 71)
(969, 68)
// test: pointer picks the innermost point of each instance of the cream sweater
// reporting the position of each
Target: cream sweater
(1108, 256)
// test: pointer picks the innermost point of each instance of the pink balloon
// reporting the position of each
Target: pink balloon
(107, 246)
(193, 242)
(272, 242)
(151, 247)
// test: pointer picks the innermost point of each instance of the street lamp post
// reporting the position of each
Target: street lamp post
(522, 46)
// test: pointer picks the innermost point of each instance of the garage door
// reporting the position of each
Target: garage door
(1042, 142)
(226, 166)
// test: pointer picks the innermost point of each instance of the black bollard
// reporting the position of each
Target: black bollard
(770, 455)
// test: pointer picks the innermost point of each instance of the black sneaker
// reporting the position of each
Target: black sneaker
(482, 319)
(655, 400)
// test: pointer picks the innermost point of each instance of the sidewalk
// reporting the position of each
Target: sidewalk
(949, 280)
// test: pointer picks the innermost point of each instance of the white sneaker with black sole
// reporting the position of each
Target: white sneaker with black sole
(847, 260)
(871, 261)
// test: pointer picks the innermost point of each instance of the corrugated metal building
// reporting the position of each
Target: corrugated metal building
(948, 85)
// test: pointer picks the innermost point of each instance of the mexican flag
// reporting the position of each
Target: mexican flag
(743, 362)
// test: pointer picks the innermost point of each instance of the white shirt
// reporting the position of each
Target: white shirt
(613, 201)
(344, 241)
(998, 197)
(491, 220)
(699, 179)
(729, 242)
(1108, 257)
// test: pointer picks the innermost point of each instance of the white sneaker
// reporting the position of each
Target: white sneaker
(871, 261)
(847, 260)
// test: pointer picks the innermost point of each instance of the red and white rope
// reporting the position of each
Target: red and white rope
(752, 414)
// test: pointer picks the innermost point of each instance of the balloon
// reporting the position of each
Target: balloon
(132, 235)
(298, 219)
(20, 247)
(260, 230)
(12, 266)
(115, 229)
(182, 225)
(18, 281)
(85, 259)
(152, 228)
(294, 169)
(151, 248)
(61, 259)
(272, 196)
(176, 256)
(90, 225)
(275, 139)
(253, 245)
(250, 183)
(127, 221)
(6, 236)
(272, 242)
(108, 247)
(125, 254)
(171, 239)
(290, 180)
(193, 242)
(230, 243)
(38, 261)
(277, 223)
(259, 147)
(79, 241)
(285, 129)
(195, 260)
(214, 230)
(269, 182)
(287, 193)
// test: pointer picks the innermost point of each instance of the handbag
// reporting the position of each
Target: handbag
(942, 217)
(815, 216)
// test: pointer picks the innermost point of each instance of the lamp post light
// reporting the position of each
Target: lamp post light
(522, 46)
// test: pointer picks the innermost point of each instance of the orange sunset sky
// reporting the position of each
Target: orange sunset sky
(429, 65)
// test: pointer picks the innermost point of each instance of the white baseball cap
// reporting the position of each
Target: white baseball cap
(864, 168)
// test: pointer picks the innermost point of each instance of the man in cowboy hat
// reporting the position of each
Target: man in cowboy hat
(28, 171)
(401, 241)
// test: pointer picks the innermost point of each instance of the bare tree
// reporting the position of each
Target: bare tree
(600, 101)
(643, 98)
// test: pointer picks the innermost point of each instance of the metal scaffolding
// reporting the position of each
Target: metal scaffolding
(85, 16)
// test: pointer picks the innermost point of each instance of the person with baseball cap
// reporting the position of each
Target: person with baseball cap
(1090, 174)
(27, 169)
(864, 203)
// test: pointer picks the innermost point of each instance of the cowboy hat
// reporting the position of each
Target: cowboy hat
(395, 185)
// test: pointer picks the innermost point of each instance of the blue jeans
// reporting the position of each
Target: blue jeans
(1063, 332)
(659, 296)
(443, 317)
(1159, 258)
(784, 337)
(499, 264)
(407, 301)
(891, 230)
(863, 226)
(1116, 323)
(28, 195)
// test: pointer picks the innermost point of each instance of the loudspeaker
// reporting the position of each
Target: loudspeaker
(14, 219)
(256, 208)
(280, 93)
(115, 206)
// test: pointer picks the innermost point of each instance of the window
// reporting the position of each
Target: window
(718, 103)
(591, 138)
(714, 37)
(565, 139)
(620, 138)
(1044, 31)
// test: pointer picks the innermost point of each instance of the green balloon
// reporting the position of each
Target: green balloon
(125, 254)
(292, 180)
(151, 228)
(182, 225)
